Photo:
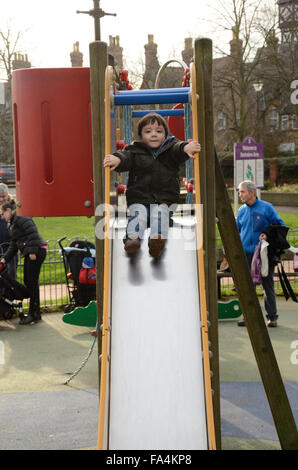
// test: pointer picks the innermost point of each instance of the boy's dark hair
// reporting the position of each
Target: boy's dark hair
(9, 205)
(150, 119)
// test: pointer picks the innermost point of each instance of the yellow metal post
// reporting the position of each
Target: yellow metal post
(201, 272)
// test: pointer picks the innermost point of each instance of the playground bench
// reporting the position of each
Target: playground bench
(227, 274)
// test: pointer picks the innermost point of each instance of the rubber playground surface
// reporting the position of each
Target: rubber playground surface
(39, 412)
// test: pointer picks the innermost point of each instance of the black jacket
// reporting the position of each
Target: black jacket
(4, 236)
(153, 178)
(24, 236)
(277, 239)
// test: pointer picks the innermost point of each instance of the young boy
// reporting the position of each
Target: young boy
(153, 186)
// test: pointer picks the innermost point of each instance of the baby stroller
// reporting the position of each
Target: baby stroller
(11, 290)
(79, 257)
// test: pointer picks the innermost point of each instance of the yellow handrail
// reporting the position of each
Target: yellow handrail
(106, 286)
(201, 270)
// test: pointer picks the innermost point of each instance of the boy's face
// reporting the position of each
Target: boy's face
(153, 134)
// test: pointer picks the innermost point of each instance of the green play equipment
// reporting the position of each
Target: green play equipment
(229, 309)
(82, 316)
(87, 316)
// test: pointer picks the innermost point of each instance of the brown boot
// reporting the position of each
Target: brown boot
(132, 245)
(156, 245)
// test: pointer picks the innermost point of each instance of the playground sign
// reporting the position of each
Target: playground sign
(249, 162)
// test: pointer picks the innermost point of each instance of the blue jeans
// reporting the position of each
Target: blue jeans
(155, 216)
(269, 293)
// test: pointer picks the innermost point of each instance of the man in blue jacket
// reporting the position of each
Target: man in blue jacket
(254, 217)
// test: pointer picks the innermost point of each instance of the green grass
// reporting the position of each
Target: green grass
(291, 220)
(54, 228)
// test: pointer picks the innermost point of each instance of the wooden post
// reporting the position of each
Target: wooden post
(203, 63)
(98, 63)
(254, 321)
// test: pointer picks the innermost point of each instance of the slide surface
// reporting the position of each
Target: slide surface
(156, 383)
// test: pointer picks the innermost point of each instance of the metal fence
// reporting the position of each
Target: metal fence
(227, 285)
(52, 280)
(53, 285)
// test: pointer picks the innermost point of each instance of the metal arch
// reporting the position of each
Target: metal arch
(164, 66)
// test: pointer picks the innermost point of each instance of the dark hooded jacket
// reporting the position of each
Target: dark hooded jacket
(153, 175)
(24, 236)
(4, 236)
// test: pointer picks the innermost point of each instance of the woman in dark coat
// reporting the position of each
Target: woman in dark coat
(4, 233)
(24, 236)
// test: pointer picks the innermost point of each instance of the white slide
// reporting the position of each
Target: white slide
(156, 383)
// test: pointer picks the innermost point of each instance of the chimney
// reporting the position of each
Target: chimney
(235, 44)
(116, 51)
(187, 53)
(20, 61)
(76, 56)
(151, 63)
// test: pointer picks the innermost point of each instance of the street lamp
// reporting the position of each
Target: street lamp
(258, 87)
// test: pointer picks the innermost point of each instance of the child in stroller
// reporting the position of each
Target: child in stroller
(79, 266)
(11, 290)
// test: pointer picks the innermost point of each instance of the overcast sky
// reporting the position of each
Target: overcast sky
(50, 28)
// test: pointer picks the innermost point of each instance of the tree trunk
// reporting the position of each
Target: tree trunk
(273, 172)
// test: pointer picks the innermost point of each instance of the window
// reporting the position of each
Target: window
(2, 93)
(284, 122)
(221, 121)
(285, 13)
(274, 118)
(287, 36)
(294, 122)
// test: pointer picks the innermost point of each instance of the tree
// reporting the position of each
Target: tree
(8, 47)
(253, 82)
(236, 72)
(256, 72)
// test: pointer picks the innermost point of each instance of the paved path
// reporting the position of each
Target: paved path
(246, 417)
(39, 412)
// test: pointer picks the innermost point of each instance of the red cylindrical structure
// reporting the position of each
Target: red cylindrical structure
(53, 143)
